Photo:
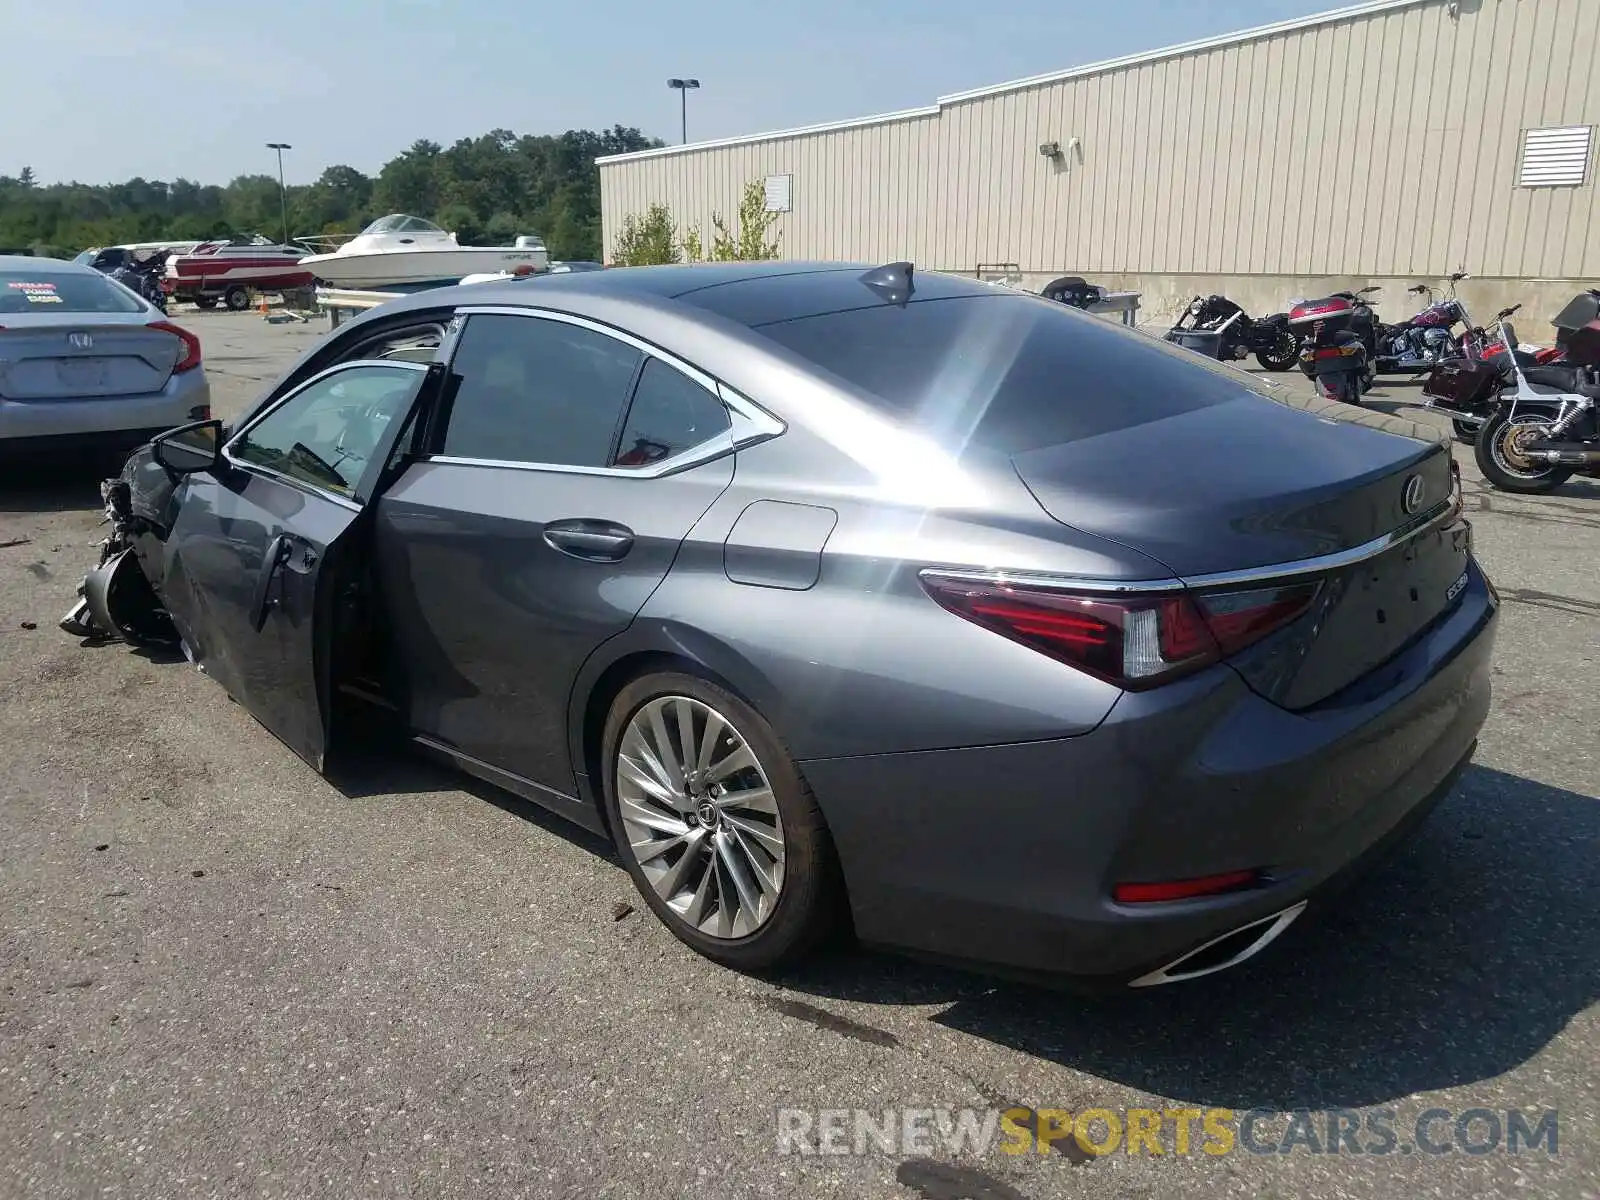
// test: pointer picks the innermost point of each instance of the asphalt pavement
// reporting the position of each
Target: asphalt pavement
(222, 975)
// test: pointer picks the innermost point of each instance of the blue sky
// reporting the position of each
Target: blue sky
(102, 90)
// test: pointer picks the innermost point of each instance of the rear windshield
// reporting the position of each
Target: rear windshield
(63, 292)
(1004, 372)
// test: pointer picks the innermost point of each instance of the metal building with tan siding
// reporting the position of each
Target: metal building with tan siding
(1388, 142)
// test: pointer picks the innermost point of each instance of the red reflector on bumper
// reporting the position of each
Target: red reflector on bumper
(1184, 889)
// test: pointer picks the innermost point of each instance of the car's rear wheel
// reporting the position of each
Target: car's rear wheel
(715, 824)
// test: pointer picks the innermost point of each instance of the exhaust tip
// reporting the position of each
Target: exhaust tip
(1224, 951)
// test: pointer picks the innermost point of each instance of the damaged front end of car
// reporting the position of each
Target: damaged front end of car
(116, 599)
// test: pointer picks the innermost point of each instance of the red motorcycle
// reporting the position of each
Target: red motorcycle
(1468, 387)
(1332, 353)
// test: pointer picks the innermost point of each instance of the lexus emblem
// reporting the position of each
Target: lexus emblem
(1411, 498)
(80, 340)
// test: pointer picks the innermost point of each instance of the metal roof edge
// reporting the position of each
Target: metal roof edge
(1349, 12)
(929, 110)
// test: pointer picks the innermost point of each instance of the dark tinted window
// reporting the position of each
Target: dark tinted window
(1006, 373)
(537, 391)
(671, 413)
(63, 292)
(325, 434)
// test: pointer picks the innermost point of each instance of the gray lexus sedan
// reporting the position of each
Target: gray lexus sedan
(841, 594)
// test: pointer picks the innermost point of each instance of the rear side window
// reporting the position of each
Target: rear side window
(533, 390)
(1005, 373)
(63, 292)
(671, 413)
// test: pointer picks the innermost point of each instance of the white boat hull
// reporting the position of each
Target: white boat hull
(419, 266)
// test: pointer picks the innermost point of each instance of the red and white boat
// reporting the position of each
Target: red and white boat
(228, 270)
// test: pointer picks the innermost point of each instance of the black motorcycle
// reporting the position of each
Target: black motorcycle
(1546, 426)
(1218, 328)
(140, 275)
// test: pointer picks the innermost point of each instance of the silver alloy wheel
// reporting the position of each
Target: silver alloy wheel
(700, 816)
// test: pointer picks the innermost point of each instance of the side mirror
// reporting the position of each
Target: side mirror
(190, 449)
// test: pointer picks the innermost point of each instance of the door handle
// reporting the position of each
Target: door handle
(596, 541)
(278, 550)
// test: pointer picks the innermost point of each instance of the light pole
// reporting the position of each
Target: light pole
(283, 193)
(682, 87)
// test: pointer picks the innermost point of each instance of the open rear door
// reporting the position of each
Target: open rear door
(263, 543)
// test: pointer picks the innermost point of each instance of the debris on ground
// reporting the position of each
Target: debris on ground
(10, 542)
(30, 624)
(621, 909)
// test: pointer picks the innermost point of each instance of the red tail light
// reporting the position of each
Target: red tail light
(1135, 642)
(1184, 889)
(191, 345)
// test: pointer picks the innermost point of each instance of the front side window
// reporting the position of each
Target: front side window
(533, 390)
(670, 414)
(326, 433)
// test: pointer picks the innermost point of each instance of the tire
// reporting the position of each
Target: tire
(800, 903)
(1499, 463)
(236, 298)
(1465, 433)
(1283, 355)
(206, 302)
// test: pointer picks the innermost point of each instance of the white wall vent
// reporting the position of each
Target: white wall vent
(1555, 157)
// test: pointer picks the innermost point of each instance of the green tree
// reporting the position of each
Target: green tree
(490, 187)
(647, 241)
(748, 242)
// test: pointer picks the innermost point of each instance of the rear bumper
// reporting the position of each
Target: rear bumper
(119, 420)
(1006, 855)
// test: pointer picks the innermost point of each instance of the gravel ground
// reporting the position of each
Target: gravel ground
(221, 975)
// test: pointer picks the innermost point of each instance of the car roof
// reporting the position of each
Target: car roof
(750, 293)
(42, 266)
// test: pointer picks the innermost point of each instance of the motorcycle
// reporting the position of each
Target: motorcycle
(1428, 338)
(1219, 328)
(1332, 353)
(1546, 426)
(143, 276)
(1467, 387)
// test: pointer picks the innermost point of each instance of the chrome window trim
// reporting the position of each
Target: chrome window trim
(759, 424)
(302, 484)
(704, 452)
(1273, 573)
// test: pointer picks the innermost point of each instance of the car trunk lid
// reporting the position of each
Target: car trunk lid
(1224, 509)
(63, 360)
